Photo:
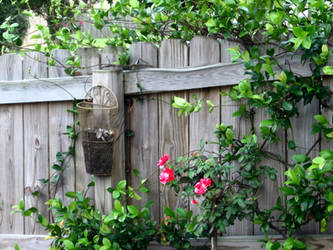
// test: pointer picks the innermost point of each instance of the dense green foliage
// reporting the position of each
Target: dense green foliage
(79, 225)
(17, 23)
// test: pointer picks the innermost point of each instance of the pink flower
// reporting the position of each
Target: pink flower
(206, 182)
(167, 176)
(81, 22)
(194, 202)
(201, 186)
(163, 160)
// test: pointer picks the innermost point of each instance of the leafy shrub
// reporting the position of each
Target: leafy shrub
(79, 225)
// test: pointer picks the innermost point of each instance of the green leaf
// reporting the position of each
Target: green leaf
(306, 43)
(169, 212)
(133, 210)
(241, 110)
(229, 134)
(117, 205)
(105, 229)
(328, 70)
(300, 158)
(276, 17)
(68, 244)
(321, 119)
(136, 172)
(16, 247)
(291, 145)
(288, 106)
(269, 28)
(134, 3)
(210, 23)
(330, 134)
(115, 194)
(21, 204)
(320, 161)
(71, 195)
(121, 185)
(246, 56)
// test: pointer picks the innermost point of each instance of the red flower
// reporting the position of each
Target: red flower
(206, 182)
(163, 160)
(201, 186)
(167, 176)
(194, 202)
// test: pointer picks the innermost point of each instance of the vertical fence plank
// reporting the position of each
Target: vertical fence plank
(144, 123)
(270, 191)
(109, 56)
(90, 60)
(241, 126)
(113, 80)
(204, 51)
(324, 143)
(36, 160)
(58, 69)
(301, 134)
(173, 130)
(11, 67)
(103, 199)
(34, 66)
(11, 151)
(59, 118)
(11, 178)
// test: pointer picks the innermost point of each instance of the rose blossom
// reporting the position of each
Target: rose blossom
(163, 160)
(167, 176)
(206, 182)
(201, 186)
(194, 202)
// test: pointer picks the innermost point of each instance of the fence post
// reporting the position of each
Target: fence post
(112, 78)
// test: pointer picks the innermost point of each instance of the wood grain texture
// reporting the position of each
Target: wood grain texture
(241, 126)
(324, 143)
(90, 60)
(11, 67)
(44, 90)
(11, 178)
(112, 79)
(36, 142)
(58, 70)
(142, 81)
(173, 130)
(304, 139)
(269, 192)
(143, 145)
(204, 51)
(59, 119)
(32, 242)
(144, 53)
(103, 199)
(34, 66)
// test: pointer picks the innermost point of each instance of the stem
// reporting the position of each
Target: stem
(214, 240)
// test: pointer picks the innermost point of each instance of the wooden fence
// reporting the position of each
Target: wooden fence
(33, 118)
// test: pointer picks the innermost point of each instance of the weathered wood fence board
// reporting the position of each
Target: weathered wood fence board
(173, 130)
(143, 146)
(32, 131)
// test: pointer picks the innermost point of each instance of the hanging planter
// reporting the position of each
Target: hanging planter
(98, 129)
